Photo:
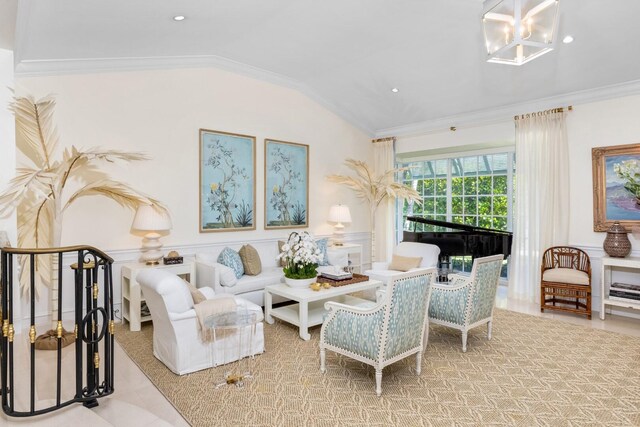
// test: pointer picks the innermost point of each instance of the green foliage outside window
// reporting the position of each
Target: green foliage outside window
(478, 193)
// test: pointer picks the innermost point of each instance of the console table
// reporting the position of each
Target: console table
(608, 264)
(132, 297)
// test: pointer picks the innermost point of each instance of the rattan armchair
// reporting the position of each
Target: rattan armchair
(565, 283)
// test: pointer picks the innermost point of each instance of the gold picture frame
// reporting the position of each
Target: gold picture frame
(227, 180)
(286, 184)
(615, 191)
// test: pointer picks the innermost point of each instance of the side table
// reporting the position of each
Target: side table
(233, 322)
(132, 297)
(354, 254)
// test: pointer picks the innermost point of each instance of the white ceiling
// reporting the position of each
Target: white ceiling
(347, 53)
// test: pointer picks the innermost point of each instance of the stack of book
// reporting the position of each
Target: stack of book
(624, 291)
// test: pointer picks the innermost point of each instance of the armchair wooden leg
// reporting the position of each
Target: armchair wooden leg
(378, 382)
(323, 368)
(418, 363)
(489, 327)
(464, 341)
(425, 338)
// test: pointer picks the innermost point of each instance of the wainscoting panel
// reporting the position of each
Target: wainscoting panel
(125, 256)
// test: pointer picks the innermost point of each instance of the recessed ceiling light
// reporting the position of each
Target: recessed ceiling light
(567, 39)
(178, 18)
(395, 90)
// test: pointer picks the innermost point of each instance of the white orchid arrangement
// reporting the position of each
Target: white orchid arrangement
(301, 256)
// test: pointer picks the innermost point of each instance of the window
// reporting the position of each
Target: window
(475, 190)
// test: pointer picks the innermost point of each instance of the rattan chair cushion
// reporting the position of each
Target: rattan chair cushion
(566, 275)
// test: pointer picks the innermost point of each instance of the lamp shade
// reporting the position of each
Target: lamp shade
(339, 213)
(151, 218)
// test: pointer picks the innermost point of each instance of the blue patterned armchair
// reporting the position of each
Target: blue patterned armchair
(467, 301)
(389, 331)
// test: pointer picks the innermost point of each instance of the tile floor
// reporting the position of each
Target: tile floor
(136, 402)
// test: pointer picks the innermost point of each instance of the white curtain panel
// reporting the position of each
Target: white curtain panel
(541, 208)
(383, 160)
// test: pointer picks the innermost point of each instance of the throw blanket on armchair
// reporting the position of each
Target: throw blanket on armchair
(217, 305)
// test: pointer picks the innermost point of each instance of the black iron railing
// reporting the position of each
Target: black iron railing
(93, 325)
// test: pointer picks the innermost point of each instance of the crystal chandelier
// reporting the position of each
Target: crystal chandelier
(518, 31)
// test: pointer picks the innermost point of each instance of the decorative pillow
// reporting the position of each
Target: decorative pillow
(322, 245)
(404, 263)
(231, 259)
(250, 260)
(281, 262)
(227, 276)
(197, 296)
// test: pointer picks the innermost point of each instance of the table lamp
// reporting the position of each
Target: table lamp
(153, 220)
(339, 214)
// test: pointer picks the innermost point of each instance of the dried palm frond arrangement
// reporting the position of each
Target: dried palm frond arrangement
(39, 191)
(374, 189)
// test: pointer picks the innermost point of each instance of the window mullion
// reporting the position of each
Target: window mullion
(449, 192)
(510, 191)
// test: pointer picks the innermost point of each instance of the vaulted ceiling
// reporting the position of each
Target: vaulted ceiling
(348, 54)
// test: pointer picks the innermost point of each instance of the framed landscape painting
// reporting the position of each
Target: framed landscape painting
(616, 186)
(286, 177)
(227, 181)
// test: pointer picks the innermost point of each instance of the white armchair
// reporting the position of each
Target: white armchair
(429, 253)
(176, 339)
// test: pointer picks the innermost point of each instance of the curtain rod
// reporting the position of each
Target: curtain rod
(543, 113)
(391, 138)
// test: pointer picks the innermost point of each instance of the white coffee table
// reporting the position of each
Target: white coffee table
(309, 310)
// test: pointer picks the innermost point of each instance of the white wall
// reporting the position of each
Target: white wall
(492, 133)
(160, 112)
(597, 124)
(7, 137)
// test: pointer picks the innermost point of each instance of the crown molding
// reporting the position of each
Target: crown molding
(43, 68)
(506, 113)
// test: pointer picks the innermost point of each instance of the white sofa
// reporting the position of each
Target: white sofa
(176, 338)
(429, 253)
(248, 287)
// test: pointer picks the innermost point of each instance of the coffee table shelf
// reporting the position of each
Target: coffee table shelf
(309, 310)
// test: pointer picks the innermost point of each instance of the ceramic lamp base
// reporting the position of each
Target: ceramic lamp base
(151, 245)
(338, 234)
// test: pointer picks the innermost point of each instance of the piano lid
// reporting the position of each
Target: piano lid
(456, 226)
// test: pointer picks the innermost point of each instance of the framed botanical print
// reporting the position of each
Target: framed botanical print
(286, 177)
(616, 186)
(227, 181)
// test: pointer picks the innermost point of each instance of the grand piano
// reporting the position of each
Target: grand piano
(460, 239)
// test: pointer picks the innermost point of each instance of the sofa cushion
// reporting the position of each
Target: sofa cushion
(250, 260)
(566, 275)
(404, 263)
(231, 259)
(428, 252)
(269, 276)
(227, 275)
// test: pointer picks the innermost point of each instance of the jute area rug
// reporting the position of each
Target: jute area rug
(533, 372)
